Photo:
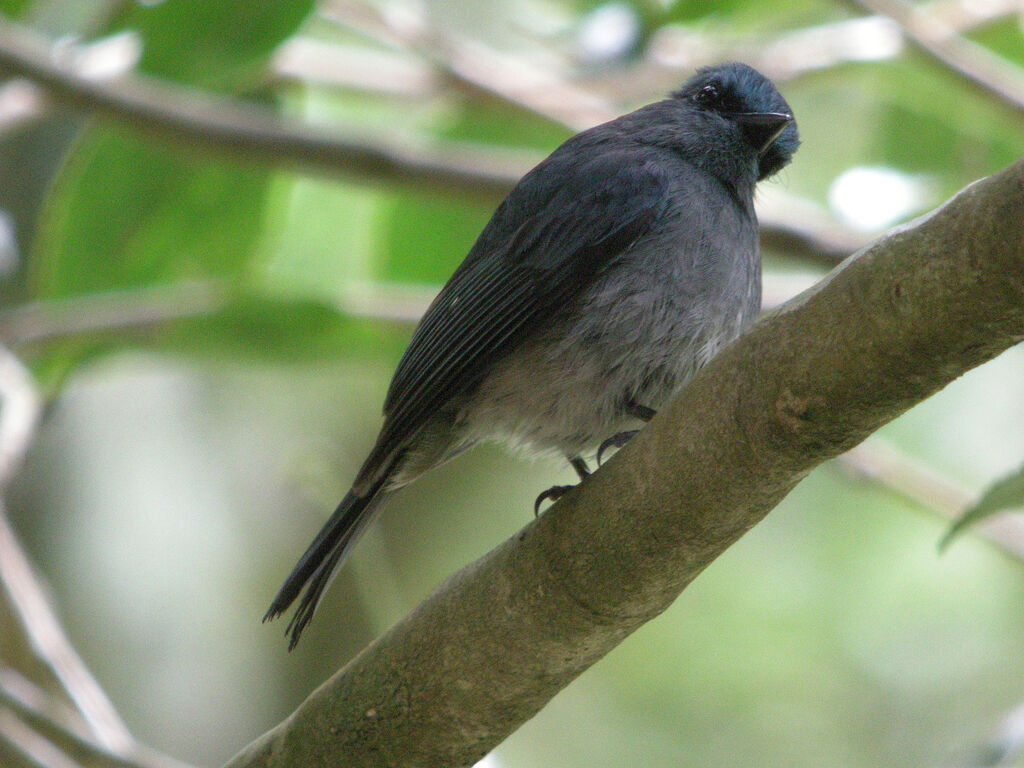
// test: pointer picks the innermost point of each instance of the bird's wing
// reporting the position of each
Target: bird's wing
(568, 220)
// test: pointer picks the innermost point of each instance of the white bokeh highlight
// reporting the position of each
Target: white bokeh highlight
(870, 198)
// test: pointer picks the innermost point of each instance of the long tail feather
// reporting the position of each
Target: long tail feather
(317, 565)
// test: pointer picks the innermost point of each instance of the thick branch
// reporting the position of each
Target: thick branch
(500, 638)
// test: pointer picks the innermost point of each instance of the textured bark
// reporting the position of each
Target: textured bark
(890, 326)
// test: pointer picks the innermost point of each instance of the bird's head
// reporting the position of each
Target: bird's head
(747, 102)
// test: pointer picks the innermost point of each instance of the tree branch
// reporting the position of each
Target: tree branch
(475, 66)
(193, 118)
(33, 708)
(21, 592)
(972, 63)
(500, 638)
(881, 463)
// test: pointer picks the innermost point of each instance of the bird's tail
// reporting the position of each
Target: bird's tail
(315, 568)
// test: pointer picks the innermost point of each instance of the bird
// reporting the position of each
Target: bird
(611, 273)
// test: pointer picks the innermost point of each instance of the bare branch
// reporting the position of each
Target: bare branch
(919, 307)
(40, 626)
(20, 747)
(478, 67)
(674, 50)
(192, 118)
(142, 309)
(973, 63)
(195, 119)
(881, 463)
(33, 708)
(110, 312)
(75, 747)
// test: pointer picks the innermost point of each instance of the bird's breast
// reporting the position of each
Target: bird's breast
(638, 333)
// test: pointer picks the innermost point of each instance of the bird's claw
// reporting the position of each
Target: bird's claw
(554, 493)
(615, 441)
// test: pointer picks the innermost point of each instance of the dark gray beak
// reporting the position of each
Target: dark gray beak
(761, 129)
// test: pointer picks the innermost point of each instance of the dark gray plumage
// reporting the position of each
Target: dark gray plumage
(614, 270)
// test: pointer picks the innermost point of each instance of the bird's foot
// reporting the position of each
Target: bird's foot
(615, 441)
(555, 492)
(635, 410)
(552, 494)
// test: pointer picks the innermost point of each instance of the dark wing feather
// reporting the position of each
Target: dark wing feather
(569, 220)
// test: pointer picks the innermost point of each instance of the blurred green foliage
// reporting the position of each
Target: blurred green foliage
(126, 214)
(14, 8)
(191, 450)
(221, 46)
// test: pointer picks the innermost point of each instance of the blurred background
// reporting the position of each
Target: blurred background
(219, 222)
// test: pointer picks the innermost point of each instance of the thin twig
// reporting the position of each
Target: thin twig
(47, 640)
(21, 747)
(673, 49)
(972, 63)
(19, 697)
(478, 67)
(878, 461)
(148, 308)
(139, 308)
(798, 52)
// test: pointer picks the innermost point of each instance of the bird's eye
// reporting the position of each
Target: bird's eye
(707, 96)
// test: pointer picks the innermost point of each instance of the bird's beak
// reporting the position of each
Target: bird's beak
(762, 129)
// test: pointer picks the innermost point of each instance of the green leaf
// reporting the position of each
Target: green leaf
(218, 45)
(1007, 493)
(425, 239)
(760, 16)
(62, 358)
(14, 8)
(1003, 37)
(126, 213)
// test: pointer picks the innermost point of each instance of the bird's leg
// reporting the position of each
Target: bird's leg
(635, 410)
(554, 492)
(580, 466)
